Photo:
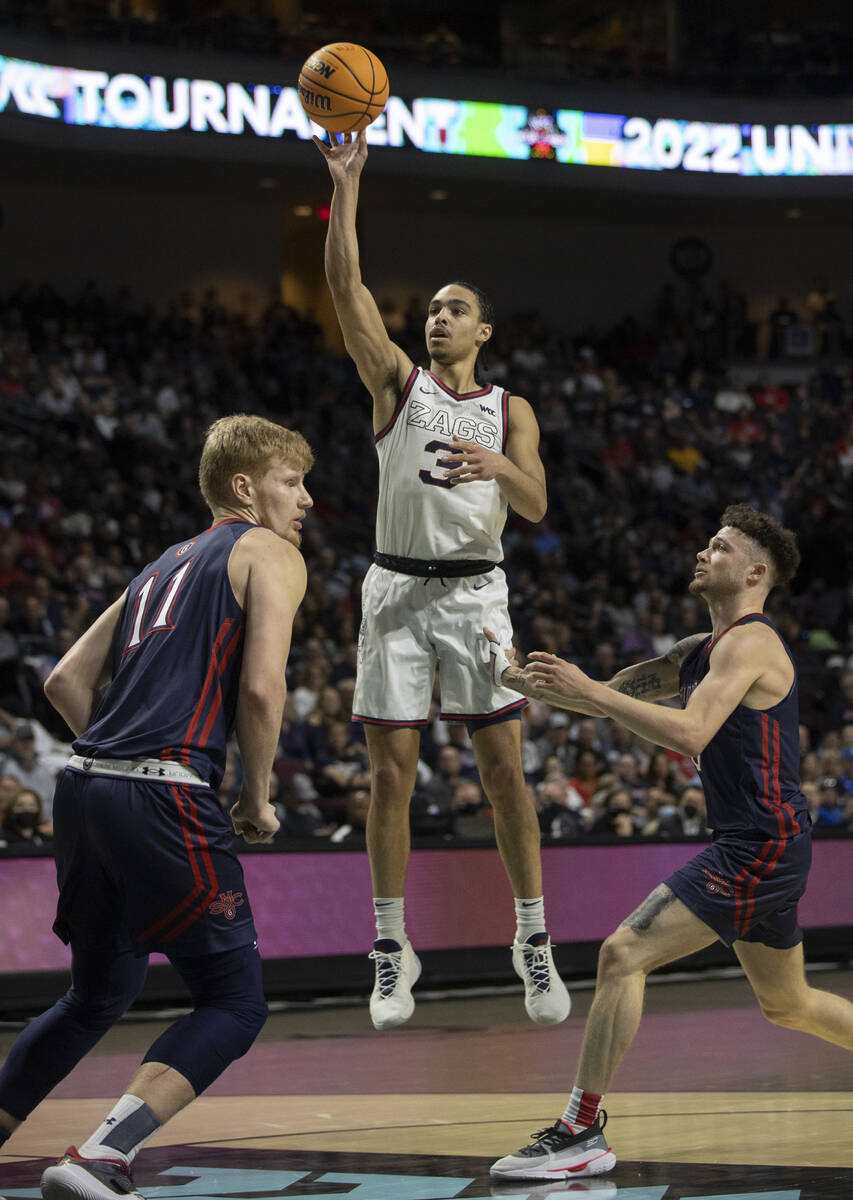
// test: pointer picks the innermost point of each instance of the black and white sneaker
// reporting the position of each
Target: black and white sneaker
(76, 1178)
(557, 1153)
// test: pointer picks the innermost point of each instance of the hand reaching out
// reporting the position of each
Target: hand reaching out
(346, 158)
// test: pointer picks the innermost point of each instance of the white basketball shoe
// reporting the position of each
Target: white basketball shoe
(397, 971)
(545, 997)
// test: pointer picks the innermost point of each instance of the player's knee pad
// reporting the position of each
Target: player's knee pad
(229, 1013)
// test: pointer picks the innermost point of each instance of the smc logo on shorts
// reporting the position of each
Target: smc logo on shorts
(716, 885)
(227, 904)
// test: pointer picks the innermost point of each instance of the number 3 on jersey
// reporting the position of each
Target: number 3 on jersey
(163, 618)
(435, 447)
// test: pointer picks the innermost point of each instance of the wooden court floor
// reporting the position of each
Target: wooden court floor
(712, 1102)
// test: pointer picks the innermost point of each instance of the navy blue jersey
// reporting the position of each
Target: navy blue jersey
(176, 660)
(750, 767)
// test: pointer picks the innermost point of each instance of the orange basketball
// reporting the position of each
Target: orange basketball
(343, 87)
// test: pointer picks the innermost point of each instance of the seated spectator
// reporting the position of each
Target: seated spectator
(663, 772)
(472, 817)
(352, 831)
(555, 739)
(662, 816)
(627, 773)
(830, 807)
(312, 678)
(691, 811)
(293, 753)
(431, 813)
(296, 809)
(733, 398)
(9, 787)
(328, 708)
(17, 683)
(468, 798)
(24, 762)
(24, 822)
(560, 809)
(616, 814)
(458, 737)
(342, 767)
(585, 779)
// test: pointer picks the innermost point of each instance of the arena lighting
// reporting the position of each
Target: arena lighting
(160, 104)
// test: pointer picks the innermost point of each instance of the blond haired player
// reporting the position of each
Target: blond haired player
(194, 650)
(452, 455)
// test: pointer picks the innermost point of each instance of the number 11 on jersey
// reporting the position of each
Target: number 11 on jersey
(163, 618)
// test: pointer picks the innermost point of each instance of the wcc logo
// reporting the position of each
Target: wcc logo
(227, 905)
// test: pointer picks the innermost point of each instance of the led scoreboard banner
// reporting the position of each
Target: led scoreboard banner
(161, 104)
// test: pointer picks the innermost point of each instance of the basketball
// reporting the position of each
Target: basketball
(343, 87)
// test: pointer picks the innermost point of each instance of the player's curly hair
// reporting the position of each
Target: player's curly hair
(779, 542)
(243, 443)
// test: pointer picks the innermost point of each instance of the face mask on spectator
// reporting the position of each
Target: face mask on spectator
(25, 820)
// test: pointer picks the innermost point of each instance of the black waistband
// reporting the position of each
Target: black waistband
(432, 568)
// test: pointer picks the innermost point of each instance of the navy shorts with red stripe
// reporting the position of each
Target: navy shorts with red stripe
(747, 889)
(147, 866)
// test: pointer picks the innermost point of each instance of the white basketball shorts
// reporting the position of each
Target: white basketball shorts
(412, 625)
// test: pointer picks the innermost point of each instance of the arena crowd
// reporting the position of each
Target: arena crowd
(647, 436)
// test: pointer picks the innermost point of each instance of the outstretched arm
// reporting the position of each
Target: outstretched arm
(650, 681)
(735, 665)
(382, 365)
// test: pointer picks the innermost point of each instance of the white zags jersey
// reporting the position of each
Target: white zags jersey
(419, 515)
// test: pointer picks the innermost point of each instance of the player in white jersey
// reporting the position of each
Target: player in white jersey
(452, 455)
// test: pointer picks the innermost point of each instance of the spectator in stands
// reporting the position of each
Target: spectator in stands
(297, 811)
(691, 811)
(24, 822)
(341, 768)
(560, 809)
(662, 772)
(472, 817)
(830, 809)
(782, 319)
(586, 775)
(24, 762)
(9, 787)
(352, 831)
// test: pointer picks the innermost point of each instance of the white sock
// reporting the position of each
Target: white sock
(390, 919)
(529, 918)
(124, 1132)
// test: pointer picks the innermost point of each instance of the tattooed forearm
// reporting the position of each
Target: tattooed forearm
(513, 678)
(640, 686)
(641, 918)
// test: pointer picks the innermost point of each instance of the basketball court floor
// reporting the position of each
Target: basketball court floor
(712, 1102)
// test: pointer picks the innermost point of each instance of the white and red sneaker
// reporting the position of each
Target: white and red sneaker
(557, 1153)
(78, 1178)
